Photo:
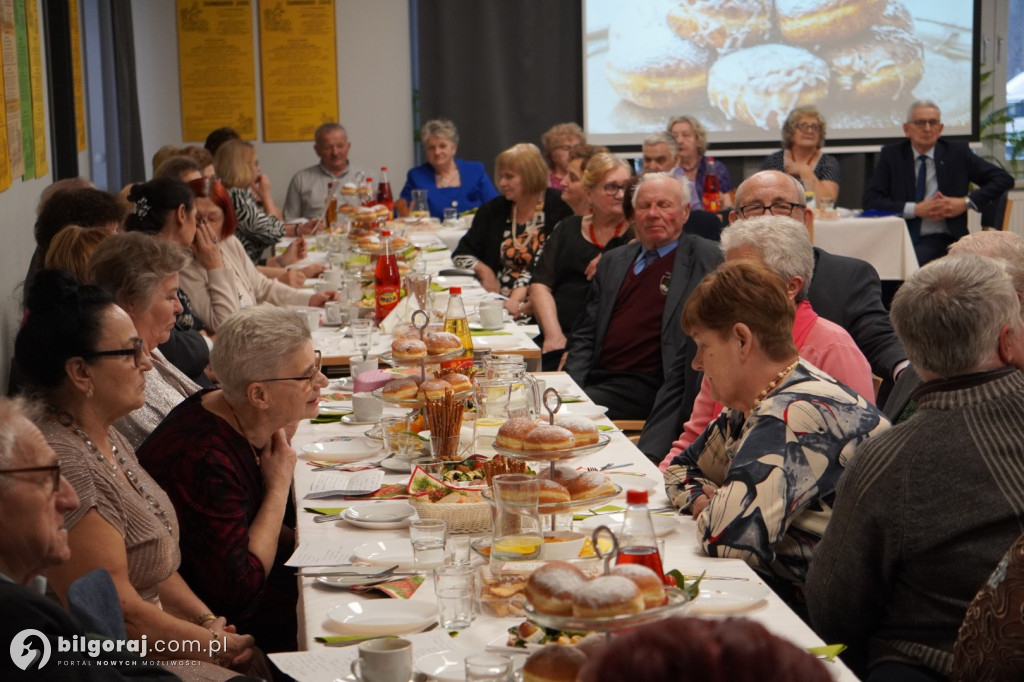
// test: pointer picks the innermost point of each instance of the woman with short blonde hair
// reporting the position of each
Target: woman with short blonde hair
(509, 231)
(803, 136)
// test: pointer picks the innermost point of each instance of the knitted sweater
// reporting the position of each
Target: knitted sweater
(923, 515)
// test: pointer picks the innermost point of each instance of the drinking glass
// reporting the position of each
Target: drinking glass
(427, 536)
(398, 439)
(454, 587)
(362, 333)
(418, 208)
(418, 284)
(488, 668)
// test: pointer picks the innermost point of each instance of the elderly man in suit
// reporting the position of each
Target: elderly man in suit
(926, 178)
(628, 335)
(843, 290)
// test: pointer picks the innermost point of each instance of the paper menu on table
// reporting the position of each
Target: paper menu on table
(319, 553)
(350, 483)
(327, 665)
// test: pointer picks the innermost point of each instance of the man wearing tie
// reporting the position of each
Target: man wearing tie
(926, 180)
(628, 332)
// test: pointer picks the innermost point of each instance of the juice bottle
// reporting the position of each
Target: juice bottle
(330, 207)
(455, 322)
(384, 196)
(387, 281)
(711, 197)
(637, 542)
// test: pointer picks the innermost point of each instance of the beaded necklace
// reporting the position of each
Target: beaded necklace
(119, 462)
(773, 383)
(619, 229)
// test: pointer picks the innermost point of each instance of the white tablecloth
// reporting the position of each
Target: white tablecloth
(884, 242)
(681, 550)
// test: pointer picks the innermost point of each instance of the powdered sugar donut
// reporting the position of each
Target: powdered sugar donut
(813, 22)
(607, 596)
(722, 25)
(884, 63)
(761, 85)
(663, 70)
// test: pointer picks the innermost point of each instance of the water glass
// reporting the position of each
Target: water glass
(419, 208)
(454, 587)
(457, 551)
(427, 536)
(451, 216)
(362, 333)
(488, 668)
(418, 285)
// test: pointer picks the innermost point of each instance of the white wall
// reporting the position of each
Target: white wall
(374, 88)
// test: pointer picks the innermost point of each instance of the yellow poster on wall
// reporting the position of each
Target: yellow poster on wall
(5, 162)
(35, 59)
(76, 72)
(28, 149)
(298, 68)
(217, 68)
(12, 96)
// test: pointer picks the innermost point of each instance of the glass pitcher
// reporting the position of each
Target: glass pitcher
(517, 531)
(491, 397)
(524, 394)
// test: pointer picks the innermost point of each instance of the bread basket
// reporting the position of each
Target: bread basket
(469, 517)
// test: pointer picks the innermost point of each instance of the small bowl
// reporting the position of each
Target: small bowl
(561, 545)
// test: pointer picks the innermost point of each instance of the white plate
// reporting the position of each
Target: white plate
(498, 342)
(450, 666)
(351, 420)
(342, 449)
(385, 514)
(729, 596)
(396, 465)
(588, 410)
(383, 616)
(663, 525)
(343, 582)
(629, 481)
(397, 551)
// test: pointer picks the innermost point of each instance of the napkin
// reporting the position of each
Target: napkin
(325, 510)
(828, 652)
(389, 491)
(328, 418)
(488, 332)
(399, 588)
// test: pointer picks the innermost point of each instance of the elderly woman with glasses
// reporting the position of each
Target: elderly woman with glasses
(509, 231)
(79, 351)
(560, 282)
(223, 458)
(803, 135)
(692, 138)
(141, 274)
(450, 182)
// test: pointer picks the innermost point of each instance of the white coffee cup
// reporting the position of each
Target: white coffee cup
(332, 276)
(322, 285)
(334, 312)
(387, 659)
(311, 316)
(366, 407)
(367, 365)
(492, 314)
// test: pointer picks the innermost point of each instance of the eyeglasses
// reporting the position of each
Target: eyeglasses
(779, 208)
(309, 379)
(137, 349)
(808, 127)
(612, 189)
(54, 470)
(926, 123)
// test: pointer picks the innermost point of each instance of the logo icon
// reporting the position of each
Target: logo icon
(25, 655)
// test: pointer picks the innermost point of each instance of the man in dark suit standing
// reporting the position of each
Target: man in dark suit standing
(926, 179)
(844, 290)
(628, 334)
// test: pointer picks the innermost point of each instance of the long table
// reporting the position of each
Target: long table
(682, 551)
(884, 242)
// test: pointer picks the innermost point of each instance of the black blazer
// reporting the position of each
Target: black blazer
(694, 258)
(844, 290)
(894, 181)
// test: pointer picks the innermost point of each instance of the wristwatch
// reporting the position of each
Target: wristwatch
(969, 204)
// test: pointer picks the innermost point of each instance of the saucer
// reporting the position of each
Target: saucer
(351, 420)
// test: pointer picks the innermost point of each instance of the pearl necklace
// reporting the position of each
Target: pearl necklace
(773, 383)
(118, 462)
